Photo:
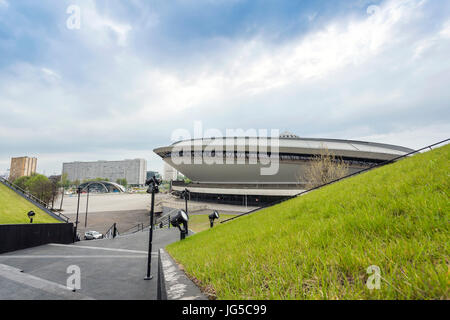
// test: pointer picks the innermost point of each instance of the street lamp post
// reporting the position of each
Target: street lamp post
(87, 205)
(78, 210)
(62, 198)
(153, 184)
(186, 194)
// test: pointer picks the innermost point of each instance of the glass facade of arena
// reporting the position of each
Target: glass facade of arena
(265, 156)
(240, 200)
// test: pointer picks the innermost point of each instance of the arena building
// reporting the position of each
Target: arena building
(254, 171)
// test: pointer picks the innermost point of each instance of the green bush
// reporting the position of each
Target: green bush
(38, 185)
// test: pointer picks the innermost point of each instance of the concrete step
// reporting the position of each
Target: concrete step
(56, 290)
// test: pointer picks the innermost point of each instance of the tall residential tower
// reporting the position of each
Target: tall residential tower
(22, 166)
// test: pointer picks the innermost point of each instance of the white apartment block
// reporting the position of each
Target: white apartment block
(134, 171)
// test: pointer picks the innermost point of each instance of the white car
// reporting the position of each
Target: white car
(92, 235)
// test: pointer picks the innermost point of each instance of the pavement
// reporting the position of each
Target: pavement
(102, 202)
(102, 221)
(109, 269)
(129, 210)
(115, 202)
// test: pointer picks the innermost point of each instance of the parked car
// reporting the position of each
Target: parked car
(92, 235)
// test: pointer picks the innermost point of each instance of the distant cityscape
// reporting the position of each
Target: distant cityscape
(133, 171)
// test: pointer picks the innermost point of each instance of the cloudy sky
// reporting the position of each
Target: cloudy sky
(137, 70)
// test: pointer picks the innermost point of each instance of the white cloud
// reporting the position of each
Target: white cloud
(4, 3)
(327, 82)
(256, 67)
(415, 137)
(445, 31)
(50, 73)
(97, 27)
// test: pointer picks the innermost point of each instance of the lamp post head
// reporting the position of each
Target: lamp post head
(31, 214)
(181, 218)
(185, 193)
(153, 184)
(213, 216)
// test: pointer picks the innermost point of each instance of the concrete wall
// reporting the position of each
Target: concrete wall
(170, 173)
(21, 236)
(133, 170)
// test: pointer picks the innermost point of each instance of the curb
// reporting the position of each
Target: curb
(173, 284)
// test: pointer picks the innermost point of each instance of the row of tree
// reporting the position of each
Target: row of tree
(46, 189)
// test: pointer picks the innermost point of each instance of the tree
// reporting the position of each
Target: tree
(21, 182)
(56, 183)
(122, 182)
(323, 168)
(40, 187)
(65, 182)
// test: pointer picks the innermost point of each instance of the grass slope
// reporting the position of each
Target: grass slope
(200, 222)
(14, 209)
(319, 246)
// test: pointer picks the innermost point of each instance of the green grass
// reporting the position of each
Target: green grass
(14, 209)
(200, 222)
(319, 246)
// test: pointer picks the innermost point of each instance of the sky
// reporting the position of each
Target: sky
(136, 71)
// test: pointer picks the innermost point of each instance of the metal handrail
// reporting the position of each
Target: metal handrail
(112, 232)
(139, 226)
(62, 215)
(163, 222)
(339, 179)
(160, 219)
